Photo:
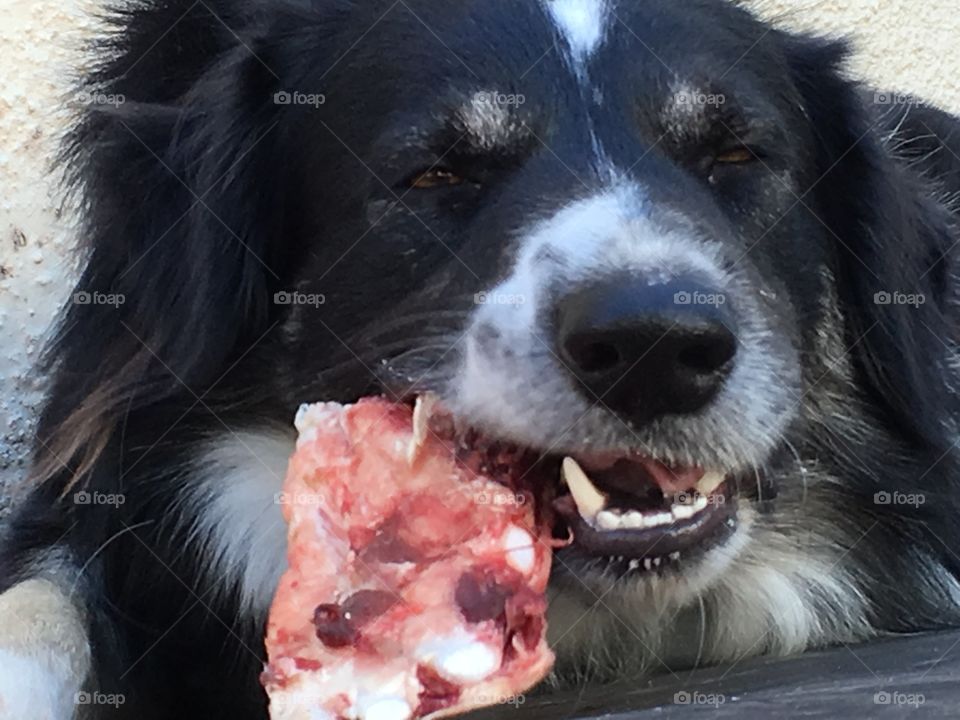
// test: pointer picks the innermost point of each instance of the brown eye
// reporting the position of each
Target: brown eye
(737, 156)
(437, 177)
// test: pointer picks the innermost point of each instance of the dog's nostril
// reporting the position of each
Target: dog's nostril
(595, 357)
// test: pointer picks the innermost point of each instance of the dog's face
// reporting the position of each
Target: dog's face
(577, 223)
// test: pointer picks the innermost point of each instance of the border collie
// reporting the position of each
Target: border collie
(664, 239)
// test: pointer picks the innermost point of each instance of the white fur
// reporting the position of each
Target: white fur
(240, 526)
(583, 24)
(44, 653)
(28, 689)
(760, 592)
(608, 232)
(489, 123)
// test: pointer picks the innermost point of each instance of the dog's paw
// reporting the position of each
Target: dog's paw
(44, 653)
(30, 691)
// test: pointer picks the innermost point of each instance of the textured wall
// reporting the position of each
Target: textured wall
(905, 45)
(36, 42)
(902, 44)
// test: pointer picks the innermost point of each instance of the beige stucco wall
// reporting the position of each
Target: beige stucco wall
(902, 44)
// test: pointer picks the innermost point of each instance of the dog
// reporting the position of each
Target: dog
(674, 251)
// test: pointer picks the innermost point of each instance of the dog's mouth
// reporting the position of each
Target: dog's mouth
(631, 511)
(641, 513)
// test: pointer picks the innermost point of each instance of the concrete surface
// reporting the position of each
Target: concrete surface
(902, 44)
(38, 39)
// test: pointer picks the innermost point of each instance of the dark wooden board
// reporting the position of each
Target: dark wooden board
(919, 674)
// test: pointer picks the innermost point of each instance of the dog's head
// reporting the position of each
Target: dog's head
(640, 236)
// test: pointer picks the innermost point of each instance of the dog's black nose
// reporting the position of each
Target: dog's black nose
(645, 349)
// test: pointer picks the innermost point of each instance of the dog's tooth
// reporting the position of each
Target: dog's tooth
(709, 482)
(700, 503)
(634, 564)
(607, 520)
(657, 561)
(663, 518)
(674, 556)
(421, 419)
(683, 512)
(590, 501)
(647, 564)
(633, 520)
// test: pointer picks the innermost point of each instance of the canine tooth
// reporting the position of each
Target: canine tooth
(700, 504)
(633, 519)
(647, 563)
(421, 418)
(607, 520)
(634, 564)
(674, 556)
(590, 501)
(683, 512)
(709, 482)
(657, 561)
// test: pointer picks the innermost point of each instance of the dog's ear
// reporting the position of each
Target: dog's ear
(892, 242)
(181, 188)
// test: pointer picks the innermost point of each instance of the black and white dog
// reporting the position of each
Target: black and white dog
(663, 239)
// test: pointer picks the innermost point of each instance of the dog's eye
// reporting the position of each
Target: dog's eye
(736, 156)
(435, 177)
